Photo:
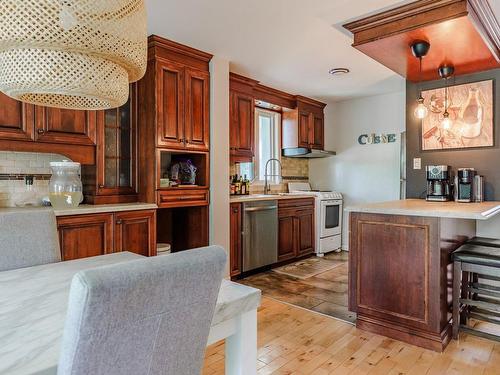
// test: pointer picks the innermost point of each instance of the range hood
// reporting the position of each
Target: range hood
(302, 152)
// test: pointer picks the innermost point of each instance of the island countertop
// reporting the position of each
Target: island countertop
(421, 207)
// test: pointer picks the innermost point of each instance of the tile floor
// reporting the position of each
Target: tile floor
(325, 292)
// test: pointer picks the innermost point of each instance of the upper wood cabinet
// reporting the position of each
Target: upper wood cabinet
(170, 104)
(241, 118)
(24, 127)
(242, 125)
(55, 125)
(304, 125)
(16, 119)
(112, 179)
(183, 106)
(197, 107)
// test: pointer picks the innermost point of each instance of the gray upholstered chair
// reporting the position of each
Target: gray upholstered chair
(28, 237)
(146, 316)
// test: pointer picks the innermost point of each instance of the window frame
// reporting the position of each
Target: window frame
(276, 119)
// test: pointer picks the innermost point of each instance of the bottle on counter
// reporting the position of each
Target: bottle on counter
(246, 181)
(232, 187)
(237, 185)
(243, 187)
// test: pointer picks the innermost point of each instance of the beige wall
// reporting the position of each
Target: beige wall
(219, 153)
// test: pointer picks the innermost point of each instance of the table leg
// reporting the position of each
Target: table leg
(241, 347)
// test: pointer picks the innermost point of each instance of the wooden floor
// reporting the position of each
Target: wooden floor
(326, 292)
(292, 340)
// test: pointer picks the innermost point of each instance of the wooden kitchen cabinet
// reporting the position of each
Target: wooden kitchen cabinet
(16, 119)
(286, 238)
(28, 128)
(56, 125)
(304, 221)
(304, 125)
(197, 115)
(135, 232)
(241, 118)
(296, 228)
(170, 104)
(82, 236)
(112, 179)
(241, 141)
(235, 253)
(183, 106)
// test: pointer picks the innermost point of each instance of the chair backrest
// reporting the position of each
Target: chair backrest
(28, 237)
(146, 316)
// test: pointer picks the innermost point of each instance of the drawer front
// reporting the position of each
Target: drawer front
(296, 203)
(182, 198)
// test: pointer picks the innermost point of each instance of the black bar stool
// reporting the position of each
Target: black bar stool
(476, 285)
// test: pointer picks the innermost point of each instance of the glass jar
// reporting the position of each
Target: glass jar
(65, 186)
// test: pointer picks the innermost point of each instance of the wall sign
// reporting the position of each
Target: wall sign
(370, 139)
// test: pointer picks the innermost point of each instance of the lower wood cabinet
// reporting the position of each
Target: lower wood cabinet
(235, 251)
(295, 231)
(296, 228)
(135, 232)
(82, 236)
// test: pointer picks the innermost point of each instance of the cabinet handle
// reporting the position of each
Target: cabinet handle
(101, 186)
(118, 221)
(40, 131)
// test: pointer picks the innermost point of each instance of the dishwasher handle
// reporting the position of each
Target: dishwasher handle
(264, 208)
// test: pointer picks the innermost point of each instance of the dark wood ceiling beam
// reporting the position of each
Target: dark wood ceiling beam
(464, 33)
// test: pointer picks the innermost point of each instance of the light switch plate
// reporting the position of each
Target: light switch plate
(417, 163)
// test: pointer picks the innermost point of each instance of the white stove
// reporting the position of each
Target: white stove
(328, 216)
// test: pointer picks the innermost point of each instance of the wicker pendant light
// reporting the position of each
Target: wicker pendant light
(77, 54)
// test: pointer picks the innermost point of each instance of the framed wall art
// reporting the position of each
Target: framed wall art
(471, 110)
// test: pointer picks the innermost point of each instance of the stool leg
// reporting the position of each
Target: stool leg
(457, 282)
(466, 279)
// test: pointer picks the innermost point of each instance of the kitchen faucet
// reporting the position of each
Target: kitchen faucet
(267, 188)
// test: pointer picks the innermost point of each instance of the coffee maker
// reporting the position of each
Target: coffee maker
(464, 185)
(438, 183)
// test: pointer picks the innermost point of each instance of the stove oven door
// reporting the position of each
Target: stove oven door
(330, 218)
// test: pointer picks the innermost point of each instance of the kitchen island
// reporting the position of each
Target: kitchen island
(400, 269)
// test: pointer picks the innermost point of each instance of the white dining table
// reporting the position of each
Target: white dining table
(34, 300)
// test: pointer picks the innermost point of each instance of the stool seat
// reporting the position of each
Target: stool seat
(476, 254)
(484, 241)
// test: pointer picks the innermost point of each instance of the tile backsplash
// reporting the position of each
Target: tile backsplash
(293, 169)
(14, 166)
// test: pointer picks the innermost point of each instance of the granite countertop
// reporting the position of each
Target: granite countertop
(266, 197)
(87, 208)
(33, 304)
(421, 207)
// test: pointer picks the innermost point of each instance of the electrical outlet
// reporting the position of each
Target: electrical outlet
(417, 163)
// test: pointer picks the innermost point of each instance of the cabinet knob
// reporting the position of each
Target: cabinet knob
(40, 131)
(118, 221)
(235, 210)
(101, 186)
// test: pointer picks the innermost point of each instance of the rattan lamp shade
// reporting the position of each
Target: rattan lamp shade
(77, 54)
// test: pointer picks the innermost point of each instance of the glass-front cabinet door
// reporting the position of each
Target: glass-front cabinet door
(116, 153)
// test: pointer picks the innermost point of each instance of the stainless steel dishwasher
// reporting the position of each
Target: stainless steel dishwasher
(260, 234)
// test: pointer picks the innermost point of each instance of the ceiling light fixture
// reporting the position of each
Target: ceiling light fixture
(419, 49)
(338, 71)
(445, 72)
(78, 54)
